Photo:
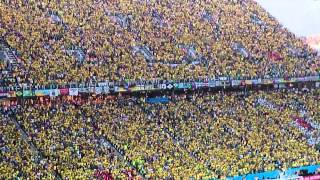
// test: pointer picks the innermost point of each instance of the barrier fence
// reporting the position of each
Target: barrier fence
(158, 85)
(292, 173)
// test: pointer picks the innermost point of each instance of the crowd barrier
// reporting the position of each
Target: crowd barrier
(314, 177)
(310, 169)
(277, 174)
(159, 85)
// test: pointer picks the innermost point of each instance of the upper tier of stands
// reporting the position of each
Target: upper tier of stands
(85, 41)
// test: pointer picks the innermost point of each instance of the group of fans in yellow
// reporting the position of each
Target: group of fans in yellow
(176, 40)
(201, 135)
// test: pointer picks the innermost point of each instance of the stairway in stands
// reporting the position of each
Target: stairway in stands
(11, 61)
(11, 56)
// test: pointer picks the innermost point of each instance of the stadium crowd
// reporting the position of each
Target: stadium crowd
(200, 135)
(69, 138)
(84, 41)
(16, 157)
(253, 134)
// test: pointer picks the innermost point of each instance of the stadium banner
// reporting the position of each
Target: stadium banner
(212, 83)
(262, 175)
(248, 82)
(12, 94)
(27, 93)
(83, 90)
(300, 79)
(73, 91)
(119, 89)
(162, 86)
(199, 85)
(170, 86)
(116, 88)
(19, 93)
(312, 177)
(226, 83)
(142, 88)
(256, 81)
(135, 88)
(4, 94)
(126, 86)
(293, 80)
(311, 78)
(267, 81)
(188, 85)
(182, 85)
(223, 78)
(278, 80)
(149, 87)
(209, 84)
(235, 83)
(222, 83)
(98, 90)
(285, 80)
(92, 89)
(218, 84)
(38, 93)
(105, 90)
(54, 92)
(205, 84)
(64, 92)
(177, 85)
(102, 84)
(44, 92)
(157, 87)
(193, 85)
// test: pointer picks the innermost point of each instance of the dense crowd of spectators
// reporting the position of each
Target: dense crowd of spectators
(84, 41)
(16, 157)
(70, 139)
(200, 135)
(236, 134)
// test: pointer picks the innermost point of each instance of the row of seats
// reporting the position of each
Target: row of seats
(200, 135)
(84, 41)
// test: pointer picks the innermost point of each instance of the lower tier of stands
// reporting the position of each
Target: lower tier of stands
(200, 134)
